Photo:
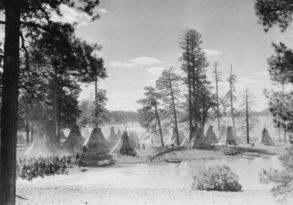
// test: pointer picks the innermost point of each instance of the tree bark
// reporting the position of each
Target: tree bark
(174, 112)
(191, 129)
(218, 103)
(27, 130)
(159, 122)
(9, 103)
(283, 99)
(32, 132)
(97, 107)
(231, 101)
(55, 110)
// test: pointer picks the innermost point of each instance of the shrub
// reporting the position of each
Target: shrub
(218, 178)
(42, 166)
(282, 179)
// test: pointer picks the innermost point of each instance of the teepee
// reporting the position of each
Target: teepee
(39, 148)
(119, 134)
(265, 138)
(124, 146)
(96, 143)
(20, 139)
(134, 140)
(200, 141)
(231, 136)
(74, 141)
(173, 138)
(211, 136)
(185, 141)
(113, 138)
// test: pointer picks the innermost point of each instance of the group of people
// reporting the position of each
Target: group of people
(43, 166)
(80, 159)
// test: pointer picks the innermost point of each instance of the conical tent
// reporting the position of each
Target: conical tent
(39, 148)
(200, 140)
(185, 141)
(74, 141)
(223, 130)
(113, 138)
(266, 139)
(231, 136)
(134, 140)
(124, 146)
(119, 134)
(211, 136)
(20, 139)
(156, 139)
(96, 143)
(173, 139)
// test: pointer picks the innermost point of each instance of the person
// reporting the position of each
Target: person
(76, 156)
(78, 160)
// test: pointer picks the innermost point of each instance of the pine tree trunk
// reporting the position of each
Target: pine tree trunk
(58, 140)
(96, 101)
(174, 112)
(9, 103)
(159, 122)
(189, 93)
(32, 132)
(55, 114)
(231, 104)
(283, 99)
(27, 130)
(218, 103)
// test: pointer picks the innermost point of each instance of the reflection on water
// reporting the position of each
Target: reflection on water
(180, 175)
(163, 175)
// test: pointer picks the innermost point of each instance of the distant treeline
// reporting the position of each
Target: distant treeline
(120, 116)
(109, 117)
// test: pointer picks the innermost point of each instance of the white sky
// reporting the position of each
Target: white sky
(140, 38)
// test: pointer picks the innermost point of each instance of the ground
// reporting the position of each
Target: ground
(134, 180)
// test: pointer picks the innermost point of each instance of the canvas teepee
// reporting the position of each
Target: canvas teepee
(96, 143)
(124, 146)
(119, 134)
(39, 148)
(173, 139)
(211, 136)
(185, 141)
(266, 139)
(200, 141)
(20, 139)
(231, 136)
(113, 138)
(74, 141)
(134, 140)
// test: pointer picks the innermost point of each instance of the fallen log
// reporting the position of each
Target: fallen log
(164, 150)
(172, 160)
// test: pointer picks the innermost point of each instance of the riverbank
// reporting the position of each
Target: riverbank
(197, 154)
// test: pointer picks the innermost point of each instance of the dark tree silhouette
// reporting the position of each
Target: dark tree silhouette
(21, 14)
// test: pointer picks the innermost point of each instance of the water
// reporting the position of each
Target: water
(162, 175)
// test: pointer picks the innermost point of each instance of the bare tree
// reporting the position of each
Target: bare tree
(149, 113)
(230, 96)
(247, 108)
(168, 86)
(217, 76)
